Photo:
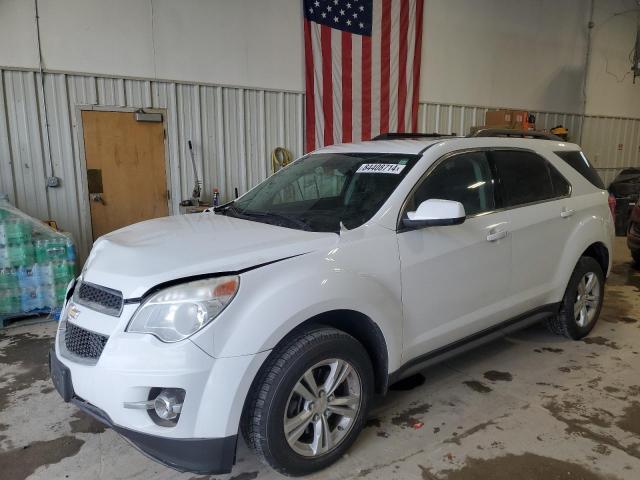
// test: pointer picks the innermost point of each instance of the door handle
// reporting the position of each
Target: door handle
(97, 197)
(492, 237)
(567, 213)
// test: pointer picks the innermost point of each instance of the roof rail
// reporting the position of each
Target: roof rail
(506, 132)
(401, 135)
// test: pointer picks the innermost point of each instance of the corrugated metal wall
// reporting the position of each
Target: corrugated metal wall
(233, 130)
(611, 143)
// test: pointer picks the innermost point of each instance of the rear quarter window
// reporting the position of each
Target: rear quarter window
(526, 178)
(578, 161)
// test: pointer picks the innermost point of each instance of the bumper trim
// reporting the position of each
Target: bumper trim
(204, 456)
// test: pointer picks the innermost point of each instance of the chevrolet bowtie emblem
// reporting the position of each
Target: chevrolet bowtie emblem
(73, 312)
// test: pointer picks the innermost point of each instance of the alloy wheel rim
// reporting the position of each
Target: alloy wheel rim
(322, 407)
(587, 299)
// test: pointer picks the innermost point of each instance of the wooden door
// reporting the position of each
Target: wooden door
(126, 173)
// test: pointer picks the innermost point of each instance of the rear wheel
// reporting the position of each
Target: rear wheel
(309, 402)
(582, 301)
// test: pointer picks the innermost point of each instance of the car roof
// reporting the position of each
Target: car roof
(417, 146)
(409, 146)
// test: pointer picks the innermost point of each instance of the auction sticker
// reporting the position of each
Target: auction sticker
(392, 168)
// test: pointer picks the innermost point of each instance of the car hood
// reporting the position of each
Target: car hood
(141, 256)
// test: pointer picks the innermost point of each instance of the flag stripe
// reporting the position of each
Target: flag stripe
(317, 99)
(417, 58)
(402, 61)
(327, 83)
(411, 35)
(366, 88)
(347, 100)
(310, 117)
(376, 37)
(385, 65)
(356, 92)
(336, 74)
(394, 42)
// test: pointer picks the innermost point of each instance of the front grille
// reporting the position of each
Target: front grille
(101, 299)
(84, 343)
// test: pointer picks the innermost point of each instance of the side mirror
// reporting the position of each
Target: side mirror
(434, 213)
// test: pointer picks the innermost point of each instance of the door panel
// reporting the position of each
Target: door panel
(454, 281)
(541, 220)
(126, 170)
(540, 233)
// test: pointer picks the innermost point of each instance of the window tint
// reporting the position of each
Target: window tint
(525, 177)
(561, 187)
(579, 161)
(465, 178)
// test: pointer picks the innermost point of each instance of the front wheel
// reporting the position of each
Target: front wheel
(582, 301)
(309, 402)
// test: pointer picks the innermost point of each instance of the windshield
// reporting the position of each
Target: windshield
(318, 192)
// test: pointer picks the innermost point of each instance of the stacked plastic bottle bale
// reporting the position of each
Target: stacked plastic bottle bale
(36, 264)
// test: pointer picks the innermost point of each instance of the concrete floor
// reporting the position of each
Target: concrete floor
(531, 406)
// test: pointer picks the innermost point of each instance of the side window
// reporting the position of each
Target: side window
(578, 160)
(525, 177)
(561, 187)
(465, 178)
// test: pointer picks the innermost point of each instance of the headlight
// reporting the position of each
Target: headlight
(177, 312)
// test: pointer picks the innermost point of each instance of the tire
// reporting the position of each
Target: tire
(577, 325)
(636, 258)
(320, 351)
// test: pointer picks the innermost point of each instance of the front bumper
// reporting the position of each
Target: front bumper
(205, 456)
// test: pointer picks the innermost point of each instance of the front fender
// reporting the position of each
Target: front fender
(275, 299)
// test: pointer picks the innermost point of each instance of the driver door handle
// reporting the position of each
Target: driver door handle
(492, 237)
(567, 213)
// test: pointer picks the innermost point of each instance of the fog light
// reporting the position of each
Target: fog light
(168, 405)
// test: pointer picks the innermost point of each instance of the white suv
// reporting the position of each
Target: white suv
(282, 313)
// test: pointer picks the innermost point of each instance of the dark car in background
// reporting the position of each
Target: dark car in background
(633, 234)
(626, 189)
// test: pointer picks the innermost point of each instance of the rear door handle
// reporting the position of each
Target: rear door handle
(492, 237)
(567, 213)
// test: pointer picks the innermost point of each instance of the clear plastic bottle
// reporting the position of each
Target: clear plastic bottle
(46, 273)
(28, 300)
(8, 278)
(10, 301)
(56, 249)
(62, 272)
(40, 249)
(15, 231)
(71, 250)
(60, 289)
(28, 276)
(20, 254)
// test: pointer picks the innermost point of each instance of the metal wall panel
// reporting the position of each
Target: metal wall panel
(612, 144)
(233, 130)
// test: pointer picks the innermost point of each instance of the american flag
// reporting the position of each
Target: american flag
(362, 68)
